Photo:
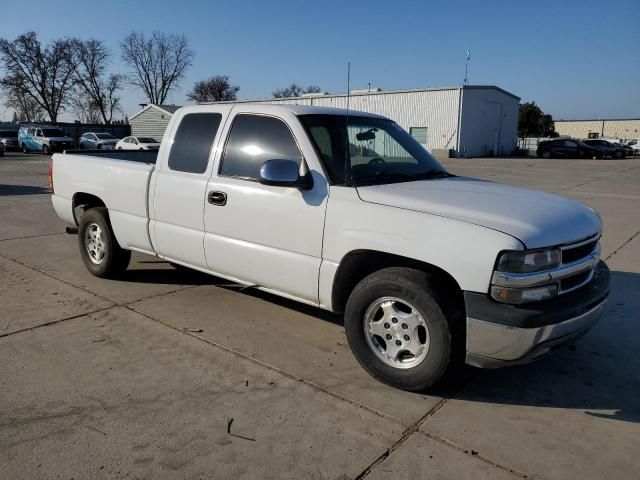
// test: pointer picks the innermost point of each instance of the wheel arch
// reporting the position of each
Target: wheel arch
(358, 264)
(84, 201)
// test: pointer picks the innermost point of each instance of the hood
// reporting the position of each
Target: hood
(537, 219)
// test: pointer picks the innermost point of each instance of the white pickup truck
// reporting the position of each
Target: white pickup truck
(346, 211)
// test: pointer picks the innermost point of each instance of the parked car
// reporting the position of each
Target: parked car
(138, 143)
(42, 138)
(9, 139)
(567, 148)
(610, 149)
(97, 141)
(634, 143)
(427, 267)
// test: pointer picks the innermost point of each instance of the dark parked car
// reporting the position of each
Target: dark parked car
(567, 148)
(9, 139)
(614, 150)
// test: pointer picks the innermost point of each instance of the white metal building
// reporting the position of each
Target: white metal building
(152, 120)
(620, 128)
(472, 120)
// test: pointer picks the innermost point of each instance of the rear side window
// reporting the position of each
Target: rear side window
(193, 141)
(253, 140)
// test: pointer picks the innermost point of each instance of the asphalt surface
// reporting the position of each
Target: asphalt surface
(167, 374)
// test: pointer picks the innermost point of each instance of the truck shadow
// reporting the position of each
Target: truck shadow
(7, 190)
(598, 374)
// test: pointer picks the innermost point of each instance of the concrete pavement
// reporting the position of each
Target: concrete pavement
(170, 374)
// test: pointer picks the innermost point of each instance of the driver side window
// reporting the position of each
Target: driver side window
(253, 140)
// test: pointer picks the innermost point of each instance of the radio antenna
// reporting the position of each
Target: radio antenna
(347, 156)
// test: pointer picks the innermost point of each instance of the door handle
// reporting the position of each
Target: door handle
(217, 198)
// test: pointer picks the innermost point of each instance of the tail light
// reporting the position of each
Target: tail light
(51, 175)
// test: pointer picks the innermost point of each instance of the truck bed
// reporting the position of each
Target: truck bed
(141, 156)
(119, 179)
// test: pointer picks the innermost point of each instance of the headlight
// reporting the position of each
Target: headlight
(522, 264)
(529, 261)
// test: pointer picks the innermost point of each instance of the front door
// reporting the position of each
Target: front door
(268, 236)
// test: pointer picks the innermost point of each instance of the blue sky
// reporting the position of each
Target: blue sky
(576, 59)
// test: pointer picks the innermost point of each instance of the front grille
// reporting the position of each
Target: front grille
(574, 281)
(570, 254)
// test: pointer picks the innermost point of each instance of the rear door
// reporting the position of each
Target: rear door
(180, 183)
(269, 236)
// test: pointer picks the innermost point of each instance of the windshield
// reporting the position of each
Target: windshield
(52, 132)
(147, 140)
(379, 150)
(105, 136)
(9, 134)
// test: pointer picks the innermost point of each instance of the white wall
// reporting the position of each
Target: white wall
(150, 123)
(487, 115)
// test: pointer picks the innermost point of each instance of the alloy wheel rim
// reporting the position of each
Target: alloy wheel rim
(396, 332)
(94, 243)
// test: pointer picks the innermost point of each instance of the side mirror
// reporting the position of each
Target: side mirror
(285, 173)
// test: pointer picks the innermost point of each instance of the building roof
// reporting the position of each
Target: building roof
(382, 92)
(168, 109)
(601, 120)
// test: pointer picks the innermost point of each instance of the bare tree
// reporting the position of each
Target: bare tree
(295, 90)
(92, 81)
(25, 107)
(215, 89)
(157, 63)
(41, 74)
(84, 108)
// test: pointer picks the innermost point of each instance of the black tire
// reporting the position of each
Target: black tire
(546, 154)
(413, 287)
(114, 259)
(45, 150)
(617, 154)
(24, 148)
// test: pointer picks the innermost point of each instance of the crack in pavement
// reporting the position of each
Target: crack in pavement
(473, 454)
(624, 244)
(33, 236)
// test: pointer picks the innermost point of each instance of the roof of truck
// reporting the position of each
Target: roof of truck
(295, 109)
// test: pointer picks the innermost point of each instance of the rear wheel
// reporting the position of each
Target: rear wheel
(617, 154)
(546, 154)
(46, 150)
(24, 148)
(398, 330)
(99, 249)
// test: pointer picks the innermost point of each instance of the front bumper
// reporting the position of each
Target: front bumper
(500, 335)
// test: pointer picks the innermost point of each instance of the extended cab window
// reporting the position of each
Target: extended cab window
(253, 140)
(193, 141)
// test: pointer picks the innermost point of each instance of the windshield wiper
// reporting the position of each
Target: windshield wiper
(433, 173)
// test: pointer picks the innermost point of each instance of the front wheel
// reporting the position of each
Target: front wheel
(46, 150)
(546, 154)
(99, 249)
(398, 330)
(24, 148)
